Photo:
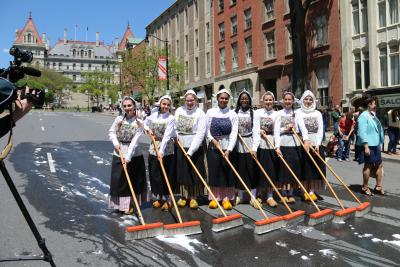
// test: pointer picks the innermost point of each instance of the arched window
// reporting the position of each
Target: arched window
(90, 53)
(73, 66)
(73, 52)
(29, 38)
(82, 52)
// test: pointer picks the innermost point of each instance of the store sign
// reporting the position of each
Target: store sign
(389, 101)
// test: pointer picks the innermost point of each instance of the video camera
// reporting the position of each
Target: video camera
(15, 72)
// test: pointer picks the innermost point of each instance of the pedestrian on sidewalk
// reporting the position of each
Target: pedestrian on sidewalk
(370, 132)
(190, 130)
(345, 130)
(336, 114)
(124, 134)
(357, 148)
(393, 130)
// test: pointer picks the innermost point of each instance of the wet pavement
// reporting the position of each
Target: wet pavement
(70, 209)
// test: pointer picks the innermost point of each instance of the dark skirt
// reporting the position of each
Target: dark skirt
(219, 172)
(185, 174)
(310, 172)
(119, 186)
(293, 156)
(374, 159)
(269, 161)
(247, 169)
(157, 180)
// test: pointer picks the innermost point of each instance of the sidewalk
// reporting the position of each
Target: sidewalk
(385, 156)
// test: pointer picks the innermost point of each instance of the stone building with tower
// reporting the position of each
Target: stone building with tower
(70, 57)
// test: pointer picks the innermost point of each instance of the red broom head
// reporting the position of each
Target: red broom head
(293, 215)
(321, 213)
(363, 206)
(181, 225)
(227, 218)
(144, 227)
(269, 220)
(345, 212)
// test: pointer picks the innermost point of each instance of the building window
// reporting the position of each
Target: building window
(74, 53)
(89, 66)
(249, 51)
(208, 62)
(320, 31)
(222, 60)
(247, 18)
(356, 19)
(383, 66)
(90, 53)
(289, 49)
(102, 67)
(323, 85)
(366, 69)
(234, 56)
(382, 13)
(196, 60)
(394, 65)
(221, 28)
(186, 70)
(81, 66)
(59, 65)
(220, 5)
(74, 77)
(196, 36)
(234, 25)
(364, 16)
(73, 66)
(269, 10)
(177, 47)
(186, 43)
(270, 39)
(207, 32)
(357, 70)
(82, 53)
(393, 11)
(54, 65)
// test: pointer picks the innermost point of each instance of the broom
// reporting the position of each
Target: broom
(262, 226)
(316, 217)
(219, 224)
(340, 215)
(363, 207)
(181, 228)
(298, 215)
(144, 230)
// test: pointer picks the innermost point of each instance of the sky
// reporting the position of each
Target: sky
(110, 18)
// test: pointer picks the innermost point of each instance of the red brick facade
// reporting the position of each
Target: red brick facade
(274, 73)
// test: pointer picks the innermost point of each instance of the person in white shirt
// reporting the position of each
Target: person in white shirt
(190, 129)
(264, 119)
(222, 128)
(124, 134)
(161, 124)
(241, 157)
(312, 119)
(287, 146)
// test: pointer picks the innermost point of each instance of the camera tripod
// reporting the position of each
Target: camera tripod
(41, 242)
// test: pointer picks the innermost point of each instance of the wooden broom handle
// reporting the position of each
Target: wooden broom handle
(337, 177)
(166, 178)
(201, 177)
(131, 187)
(319, 170)
(293, 174)
(216, 144)
(265, 174)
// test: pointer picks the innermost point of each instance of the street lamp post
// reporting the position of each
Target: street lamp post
(166, 54)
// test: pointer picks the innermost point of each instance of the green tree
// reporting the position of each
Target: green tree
(55, 82)
(140, 70)
(98, 84)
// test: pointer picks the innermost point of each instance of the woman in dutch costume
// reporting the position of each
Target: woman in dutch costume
(241, 157)
(312, 119)
(124, 134)
(222, 129)
(288, 147)
(161, 124)
(264, 124)
(190, 130)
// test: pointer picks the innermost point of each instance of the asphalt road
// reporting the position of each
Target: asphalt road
(69, 206)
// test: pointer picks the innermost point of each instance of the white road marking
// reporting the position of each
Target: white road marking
(42, 128)
(51, 163)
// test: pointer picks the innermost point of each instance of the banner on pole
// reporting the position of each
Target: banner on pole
(162, 68)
